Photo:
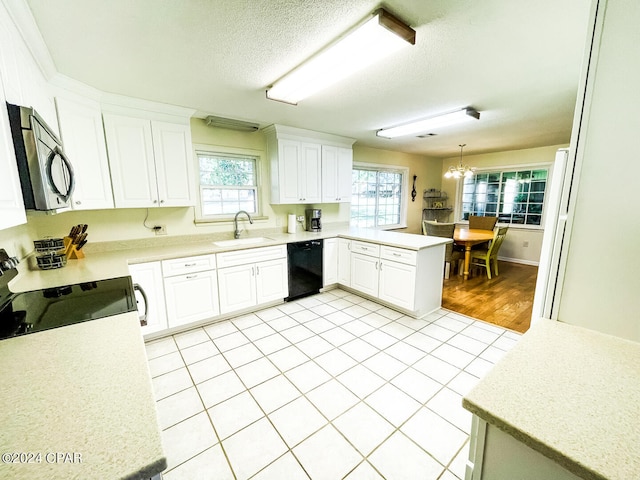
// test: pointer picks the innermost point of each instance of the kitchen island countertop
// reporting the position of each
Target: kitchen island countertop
(571, 394)
(77, 402)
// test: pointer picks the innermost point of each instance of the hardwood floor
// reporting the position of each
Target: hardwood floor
(505, 300)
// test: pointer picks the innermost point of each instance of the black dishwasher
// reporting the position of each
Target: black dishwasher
(305, 268)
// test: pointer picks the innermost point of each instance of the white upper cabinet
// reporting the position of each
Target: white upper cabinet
(308, 167)
(173, 158)
(83, 139)
(337, 165)
(150, 161)
(296, 173)
(12, 210)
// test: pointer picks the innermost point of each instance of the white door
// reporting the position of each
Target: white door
(272, 282)
(330, 261)
(191, 297)
(311, 173)
(344, 262)
(83, 139)
(173, 160)
(133, 171)
(237, 287)
(344, 174)
(364, 273)
(289, 171)
(12, 210)
(329, 174)
(149, 277)
(397, 284)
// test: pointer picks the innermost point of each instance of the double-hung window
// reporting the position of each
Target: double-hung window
(378, 197)
(228, 183)
(515, 197)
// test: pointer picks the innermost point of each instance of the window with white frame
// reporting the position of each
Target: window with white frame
(515, 196)
(377, 197)
(228, 183)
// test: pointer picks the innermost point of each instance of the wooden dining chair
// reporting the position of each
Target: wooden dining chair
(486, 257)
(482, 223)
(445, 230)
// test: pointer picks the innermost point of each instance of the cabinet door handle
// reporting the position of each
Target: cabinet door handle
(161, 201)
(78, 202)
(189, 277)
(257, 270)
(380, 266)
(155, 201)
(253, 271)
(376, 265)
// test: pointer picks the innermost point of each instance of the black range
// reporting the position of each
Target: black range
(38, 310)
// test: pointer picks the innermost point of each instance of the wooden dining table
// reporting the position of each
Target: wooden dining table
(470, 237)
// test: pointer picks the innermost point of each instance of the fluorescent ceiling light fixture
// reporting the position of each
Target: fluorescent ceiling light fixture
(376, 38)
(427, 125)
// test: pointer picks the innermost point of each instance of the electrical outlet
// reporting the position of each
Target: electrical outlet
(160, 229)
(301, 218)
(525, 243)
(278, 222)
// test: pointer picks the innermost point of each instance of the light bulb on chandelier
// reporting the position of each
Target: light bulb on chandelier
(461, 170)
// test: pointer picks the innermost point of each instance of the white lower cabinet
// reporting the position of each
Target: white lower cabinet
(394, 275)
(344, 262)
(329, 261)
(364, 273)
(252, 277)
(496, 455)
(190, 289)
(149, 277)
(237, 288)
(191, 297)
(396, 282)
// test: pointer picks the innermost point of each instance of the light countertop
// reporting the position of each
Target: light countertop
(82, 390)
(111, 260)
(571, 394)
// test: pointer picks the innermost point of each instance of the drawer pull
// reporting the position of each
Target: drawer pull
(396, 254)
(189, 277)
(190, 264)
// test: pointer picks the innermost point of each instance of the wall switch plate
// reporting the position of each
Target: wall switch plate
(525, 243)
(160, 229)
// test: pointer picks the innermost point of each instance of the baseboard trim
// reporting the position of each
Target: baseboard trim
(519, 260)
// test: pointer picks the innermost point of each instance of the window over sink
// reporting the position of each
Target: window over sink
(228, 183)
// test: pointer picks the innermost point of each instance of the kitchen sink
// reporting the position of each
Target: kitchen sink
(242, 241)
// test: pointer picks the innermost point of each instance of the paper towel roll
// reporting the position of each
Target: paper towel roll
(291, 224)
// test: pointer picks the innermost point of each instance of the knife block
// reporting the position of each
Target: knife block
(70, 249)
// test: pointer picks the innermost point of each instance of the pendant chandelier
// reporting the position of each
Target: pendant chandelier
(461, 170)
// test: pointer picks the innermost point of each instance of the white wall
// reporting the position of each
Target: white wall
(602, 277)
(513, 248)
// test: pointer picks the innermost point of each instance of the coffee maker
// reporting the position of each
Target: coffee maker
(312, 219)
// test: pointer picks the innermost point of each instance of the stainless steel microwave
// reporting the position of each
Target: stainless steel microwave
(46, 175)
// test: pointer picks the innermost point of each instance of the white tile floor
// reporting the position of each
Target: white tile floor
(327, 387)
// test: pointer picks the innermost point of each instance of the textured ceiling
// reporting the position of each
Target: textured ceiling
(516, 61)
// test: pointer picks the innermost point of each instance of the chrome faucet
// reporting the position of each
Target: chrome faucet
(236, 233)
